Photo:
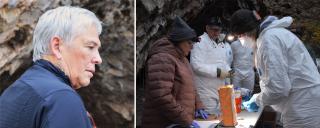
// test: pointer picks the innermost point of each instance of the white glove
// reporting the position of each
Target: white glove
(245, 92)
(222, 73)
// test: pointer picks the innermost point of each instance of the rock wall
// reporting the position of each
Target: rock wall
(301, 9)
(306, 17)
(110, 95)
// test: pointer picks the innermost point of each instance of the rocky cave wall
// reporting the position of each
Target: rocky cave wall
(109, 98)
(306, 14)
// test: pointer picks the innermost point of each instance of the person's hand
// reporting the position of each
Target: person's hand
(222, 73)
(194, 125)
(200, 113)
(251, 105)
(245, 93)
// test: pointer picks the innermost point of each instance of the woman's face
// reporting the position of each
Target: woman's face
(80, 56)
(186, 46)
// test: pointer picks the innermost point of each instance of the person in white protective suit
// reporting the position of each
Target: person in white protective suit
(289, 80)
(210, 60)
(242, 65)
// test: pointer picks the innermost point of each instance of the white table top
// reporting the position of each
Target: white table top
(245, 120)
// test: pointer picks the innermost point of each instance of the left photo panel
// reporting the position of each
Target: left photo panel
(66, 64)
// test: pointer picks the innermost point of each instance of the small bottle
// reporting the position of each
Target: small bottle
(238, 98)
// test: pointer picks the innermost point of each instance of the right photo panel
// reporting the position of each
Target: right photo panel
(227, 63)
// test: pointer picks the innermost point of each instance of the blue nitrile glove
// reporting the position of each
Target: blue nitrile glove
(194, 125)
(251, 105)
(201, 113)
(245, 93)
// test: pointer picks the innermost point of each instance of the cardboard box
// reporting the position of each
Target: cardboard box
(227, 105)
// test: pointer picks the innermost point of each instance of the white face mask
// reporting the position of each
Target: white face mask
(221, 37)
(247, 42)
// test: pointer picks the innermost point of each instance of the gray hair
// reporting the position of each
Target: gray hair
(65, 22)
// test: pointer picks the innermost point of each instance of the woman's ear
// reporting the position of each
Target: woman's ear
(55, 47)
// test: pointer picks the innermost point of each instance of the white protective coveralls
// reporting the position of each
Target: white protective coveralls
(242, 65)
(289, 79)
(206, 56)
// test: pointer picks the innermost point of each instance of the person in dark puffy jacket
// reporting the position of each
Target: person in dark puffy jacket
(170, 95)
(65, 52)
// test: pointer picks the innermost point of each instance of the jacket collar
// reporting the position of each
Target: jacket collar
(214, 42)
(53, 69)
